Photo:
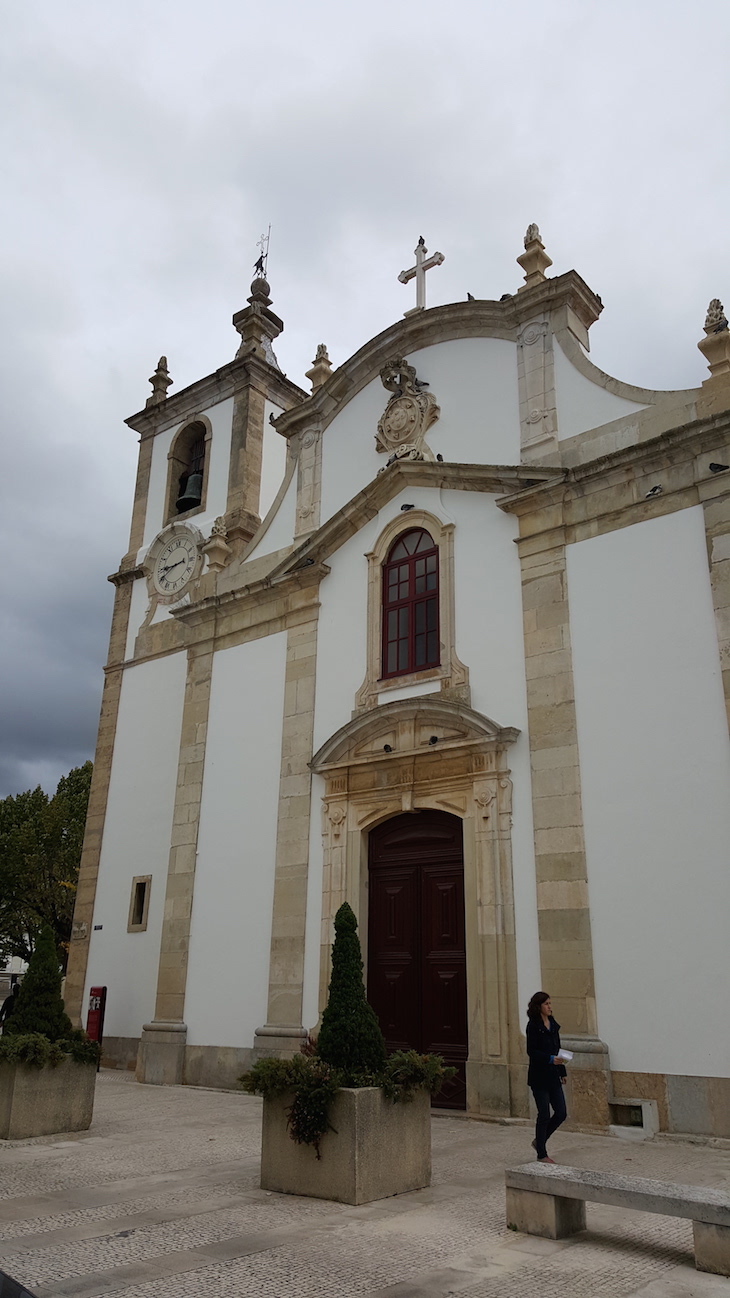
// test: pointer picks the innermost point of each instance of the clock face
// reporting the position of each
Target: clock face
(175, 565)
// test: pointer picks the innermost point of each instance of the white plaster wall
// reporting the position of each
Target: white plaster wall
(655, 770)
(137, 841)
(221, 418)
(273, 462)
(581, 403)
(474, 381)
(138, 606)
(489, 640)
(228, 966)
(280, 531)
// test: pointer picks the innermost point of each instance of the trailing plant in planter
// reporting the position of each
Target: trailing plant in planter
(349, 1051)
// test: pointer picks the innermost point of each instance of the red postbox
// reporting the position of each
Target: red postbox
(95, 1017)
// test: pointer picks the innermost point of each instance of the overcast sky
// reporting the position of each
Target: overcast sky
(146, 145)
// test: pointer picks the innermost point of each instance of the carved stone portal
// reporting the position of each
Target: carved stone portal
(407, 416)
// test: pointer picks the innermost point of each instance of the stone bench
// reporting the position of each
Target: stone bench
(550, 1201)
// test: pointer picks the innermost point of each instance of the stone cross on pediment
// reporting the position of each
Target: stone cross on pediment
(419, 271)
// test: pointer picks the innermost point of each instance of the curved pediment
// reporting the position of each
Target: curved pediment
(409, 728)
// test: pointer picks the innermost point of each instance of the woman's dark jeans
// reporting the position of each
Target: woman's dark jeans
(551, 1094)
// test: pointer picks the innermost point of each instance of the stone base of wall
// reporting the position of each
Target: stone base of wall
(119, 1052)
(689, 1106)
(217, 1066)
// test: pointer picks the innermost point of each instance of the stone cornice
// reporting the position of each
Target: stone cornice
(676, 446)
(367, 503)
(478, 319)
(223, 383)
(201, 612)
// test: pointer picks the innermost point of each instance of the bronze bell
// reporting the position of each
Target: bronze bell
(192, 493)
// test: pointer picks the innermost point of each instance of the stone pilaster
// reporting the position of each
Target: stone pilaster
(141, 490)
(244, 475)
(716, 505)
(89, 868)
(566, 953)
(162, 1046)
(536, 381)
(309, 483)
(283, 1030)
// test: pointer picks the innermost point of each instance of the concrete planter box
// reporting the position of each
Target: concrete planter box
(376, 1150)
(43, 1101)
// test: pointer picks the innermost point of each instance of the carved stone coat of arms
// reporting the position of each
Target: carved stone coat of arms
(408, 414)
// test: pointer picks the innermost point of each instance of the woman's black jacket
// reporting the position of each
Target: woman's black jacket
(543, 1040)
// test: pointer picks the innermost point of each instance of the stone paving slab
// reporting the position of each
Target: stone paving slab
(161, 1199)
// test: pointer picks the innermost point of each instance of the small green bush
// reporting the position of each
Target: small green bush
(37, 1051)
(349, 1038)
(40, 1007)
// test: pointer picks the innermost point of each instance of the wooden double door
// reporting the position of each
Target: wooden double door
(416, 940)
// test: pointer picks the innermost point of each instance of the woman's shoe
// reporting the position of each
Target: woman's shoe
(546, 1159)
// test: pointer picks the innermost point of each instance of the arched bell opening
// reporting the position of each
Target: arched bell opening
(416, 964)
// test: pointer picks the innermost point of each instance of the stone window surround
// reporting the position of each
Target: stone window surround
(451, 672)
(146, 879)
(175, 464)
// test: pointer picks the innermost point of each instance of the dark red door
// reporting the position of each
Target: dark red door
(416, 949)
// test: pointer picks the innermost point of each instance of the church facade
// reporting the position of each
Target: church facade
(443, 638)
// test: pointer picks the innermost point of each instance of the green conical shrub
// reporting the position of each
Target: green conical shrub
(40, 1008)
(349, 1038)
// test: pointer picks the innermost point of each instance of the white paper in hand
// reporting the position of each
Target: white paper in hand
(565, 1055)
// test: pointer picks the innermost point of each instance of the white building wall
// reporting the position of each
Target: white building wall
(280, 531)
(219, 446)
(582, 404)
(273, 460)
(489, 640)
(655, 771)
(137, 841)
(228, 965)
(474, 381)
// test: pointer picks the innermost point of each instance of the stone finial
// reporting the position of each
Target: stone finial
(534, 260)
(257, 324)
(160, 381)
(715, 346)
(217, 548)
(321, 368)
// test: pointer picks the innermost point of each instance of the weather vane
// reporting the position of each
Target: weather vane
(263, 246)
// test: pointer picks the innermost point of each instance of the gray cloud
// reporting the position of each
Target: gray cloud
(145, 147)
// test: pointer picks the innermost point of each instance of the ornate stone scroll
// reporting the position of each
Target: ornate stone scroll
(408, 414)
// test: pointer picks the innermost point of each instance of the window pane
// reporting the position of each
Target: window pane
(393, 625)
(420, 655)
(425, 542)
(399, 552)
(421, 617)
(431, 606)
(392, 657)
(402, 655)
(432, 647)
(402, 622)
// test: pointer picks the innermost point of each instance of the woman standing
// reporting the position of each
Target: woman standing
(546, 1073)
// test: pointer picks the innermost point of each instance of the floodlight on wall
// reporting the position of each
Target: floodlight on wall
(719, 468)
(433, 739)
(387, 748)
(405, 508)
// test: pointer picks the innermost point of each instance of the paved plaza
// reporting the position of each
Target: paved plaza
(161, 1199)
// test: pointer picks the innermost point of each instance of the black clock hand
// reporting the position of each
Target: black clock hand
(170, 567)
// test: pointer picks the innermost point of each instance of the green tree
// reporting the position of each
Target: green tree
(40, 1007)
(349, 1038)
(40, 851)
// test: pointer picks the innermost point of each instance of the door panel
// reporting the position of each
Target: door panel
(416, 949)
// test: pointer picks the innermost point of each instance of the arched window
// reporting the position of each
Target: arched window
(411, 604)
(187, 476)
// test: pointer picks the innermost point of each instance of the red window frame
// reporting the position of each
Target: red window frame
(410, 605)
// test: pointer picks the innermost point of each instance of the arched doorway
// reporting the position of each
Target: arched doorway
(416, 939)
